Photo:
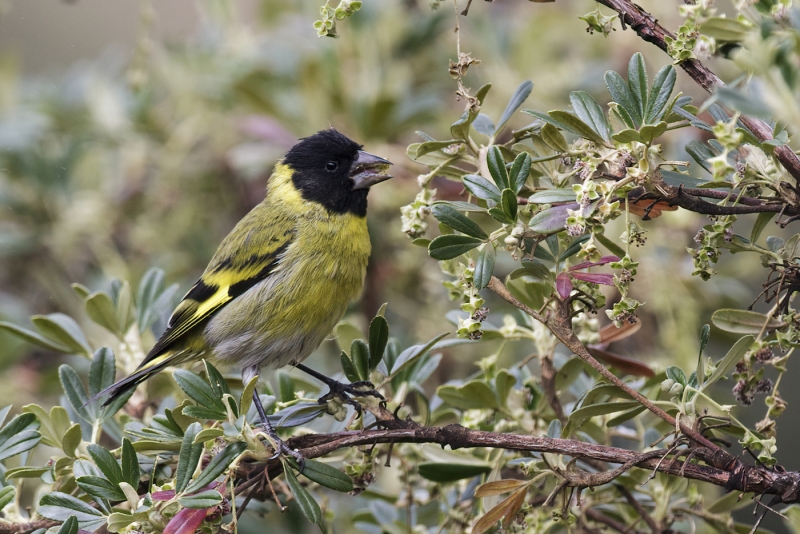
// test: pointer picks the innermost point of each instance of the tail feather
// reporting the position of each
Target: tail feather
(130, 382)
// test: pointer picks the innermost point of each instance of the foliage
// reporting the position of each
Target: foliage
(548, 211)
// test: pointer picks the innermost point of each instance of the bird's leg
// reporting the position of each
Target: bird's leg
(280, 444)
(363, 388)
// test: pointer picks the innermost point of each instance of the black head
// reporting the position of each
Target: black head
(332, 170)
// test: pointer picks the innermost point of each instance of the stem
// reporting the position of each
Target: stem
(648, 28)
(561, 328)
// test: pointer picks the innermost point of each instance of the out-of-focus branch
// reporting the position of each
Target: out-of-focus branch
(648, 28)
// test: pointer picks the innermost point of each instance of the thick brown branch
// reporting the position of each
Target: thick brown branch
(648, 28)
(736, 476)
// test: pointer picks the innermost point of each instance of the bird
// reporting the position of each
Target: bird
(283, 277)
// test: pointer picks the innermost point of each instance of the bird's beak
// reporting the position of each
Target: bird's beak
(368, 170)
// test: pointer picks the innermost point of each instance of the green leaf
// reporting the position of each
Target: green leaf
(627, 136)
(554, 429)
(574, 247)
(349, 369)
(551, 220)
(432, 146)
(101, 309)
(199, 390)
(499, 215)
(573, 124)
(76, 393)
(484, 267)
(553, 138)
(520, 171)
(552, 196)
(307, 504)
(588, 110)
(637, 82)
(36, 339)
(457, 221)
(63, 330)
(106, 462)
(413, 353)
(218, 465)
(203, 499)
(151, 298)
(378, 339)
(215, 379)
(130, 464)
(100, 487)
(70, 526)
(730, 360)
(676, 374)
(102, 370)
(450, 472)
(188, 457)
(7, 496)
(725, 29)
(520, 95)
(72, 439)
(462, 206)
(610, 245)
(60, 506)
(762, 221)
(509, 203)
(447, 247)
(472, 395)
(663, 84)
(744, 321)
(359, 352)
(19, 435)
(497, 167)
(578, 417)
(650, 133)
(622, 95)
(325, 475)
(481, 187)
(483, 125)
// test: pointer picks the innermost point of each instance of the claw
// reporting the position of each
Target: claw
(346, 392)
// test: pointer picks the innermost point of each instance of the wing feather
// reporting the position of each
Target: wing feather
(228, 275)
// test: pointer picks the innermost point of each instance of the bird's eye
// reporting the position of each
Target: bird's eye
(332, 165)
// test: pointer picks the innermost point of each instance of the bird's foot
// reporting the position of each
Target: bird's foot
(346, 392)
(281, 448)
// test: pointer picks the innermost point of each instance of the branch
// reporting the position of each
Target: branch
(735, 476)
(23, 528)
(560, 326)
(646, 26)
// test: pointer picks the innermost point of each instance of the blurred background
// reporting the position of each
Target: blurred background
(135, 135)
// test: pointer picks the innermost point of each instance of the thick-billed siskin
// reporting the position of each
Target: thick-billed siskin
(284, 276)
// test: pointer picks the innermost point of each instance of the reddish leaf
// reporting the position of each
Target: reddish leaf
(610, 333)
(627, 365)
(563, 285)
(498, 487)
(186, 521)
(163, 495)
(641, 209)
(587, 264)
(595, 278)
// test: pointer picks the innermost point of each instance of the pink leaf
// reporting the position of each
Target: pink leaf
(563, 285)
(595, 278)
(163, 495)
(186, 521)
(587, 264)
